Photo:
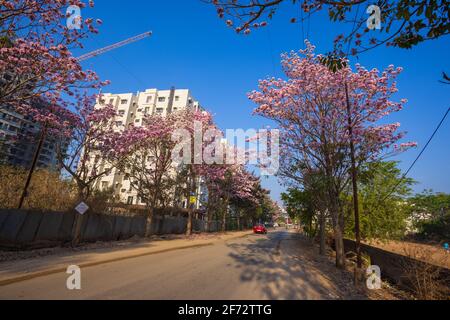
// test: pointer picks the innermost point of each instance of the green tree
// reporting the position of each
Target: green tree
(430, 214)
(310, 205)
(383, 202)
(300, 207)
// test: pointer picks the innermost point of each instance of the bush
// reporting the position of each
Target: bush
(102, 201)
(430, 215)
(438, 229)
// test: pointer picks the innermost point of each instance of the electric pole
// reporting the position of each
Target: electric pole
(354, 181)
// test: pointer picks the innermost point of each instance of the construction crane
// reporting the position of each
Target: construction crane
(114, 46)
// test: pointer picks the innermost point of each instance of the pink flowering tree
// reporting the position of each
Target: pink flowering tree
(234, 185)
(145, 157)
(243, 193)
(207, 161)
(310, 108)
(192, 136)
(35, 57)
(85, 143)
(148, 158)
(212, 176)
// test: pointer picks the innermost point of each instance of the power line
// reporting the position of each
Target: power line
(309, 23)
(302, 26)
(353, 29)
(271, 51)
(419, 156)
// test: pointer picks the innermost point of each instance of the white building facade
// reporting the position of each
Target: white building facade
(132, 109)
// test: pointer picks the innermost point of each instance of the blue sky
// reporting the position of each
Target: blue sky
(191, 48)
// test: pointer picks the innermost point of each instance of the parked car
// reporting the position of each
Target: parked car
(260, 228)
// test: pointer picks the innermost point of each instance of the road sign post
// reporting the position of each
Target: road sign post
(81, 209)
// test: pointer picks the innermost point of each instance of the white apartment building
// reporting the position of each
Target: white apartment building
(131, 109)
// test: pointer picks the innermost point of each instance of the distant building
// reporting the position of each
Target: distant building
(19, 136)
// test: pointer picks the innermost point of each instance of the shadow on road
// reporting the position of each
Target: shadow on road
(286, 267)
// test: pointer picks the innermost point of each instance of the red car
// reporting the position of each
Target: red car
(260, 229)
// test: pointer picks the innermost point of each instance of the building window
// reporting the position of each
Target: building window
(121, 112)
(123, 101)
(147, 110)
(137, 120)
(177, 98)
(104, 185)
(159, 110)
(111, 101)
(130, 200)
(161, 99)
(149, 99)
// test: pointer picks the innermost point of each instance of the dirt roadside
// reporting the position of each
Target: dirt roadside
(339, 283)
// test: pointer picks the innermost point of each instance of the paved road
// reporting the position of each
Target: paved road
(254, 267)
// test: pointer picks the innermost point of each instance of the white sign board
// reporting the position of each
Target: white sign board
(82, 208)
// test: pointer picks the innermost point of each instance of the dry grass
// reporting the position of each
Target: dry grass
(434, 254)
(427, 281)
(47, 190)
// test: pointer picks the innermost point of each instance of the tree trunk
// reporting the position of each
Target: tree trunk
(189, 222)
(224, 221)
(77, 229)
(208, 211)
(339, 244)
(239, 221)
(322, 234)
(354, 185)
(148, 223)
(191, 191)
(79, 218)
(207, 226)
(338, 231)
(224, 217)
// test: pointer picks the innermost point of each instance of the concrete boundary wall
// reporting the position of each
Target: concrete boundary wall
(21, 229)
(393, 266)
